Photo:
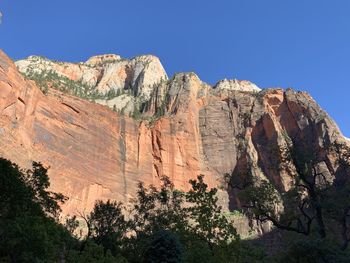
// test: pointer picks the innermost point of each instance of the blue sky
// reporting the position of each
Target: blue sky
(304, 44)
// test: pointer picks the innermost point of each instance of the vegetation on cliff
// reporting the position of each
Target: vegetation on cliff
(49, 78)
(46, 79)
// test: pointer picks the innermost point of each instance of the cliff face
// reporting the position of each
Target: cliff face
(104, 73)
(186, 128)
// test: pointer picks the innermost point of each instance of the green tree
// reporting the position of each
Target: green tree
(111, 94)
(108, 225)
(312, 250)
(164, 247)
(71, 224)
(209, 223)
(93, 253)
(156, 209)
(28, 230)
(195, 217)
(26, 191)
(37, 180)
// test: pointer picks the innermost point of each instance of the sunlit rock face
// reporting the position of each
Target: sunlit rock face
(184, 128)
(109, 80)
(239, 85)
(104, 73)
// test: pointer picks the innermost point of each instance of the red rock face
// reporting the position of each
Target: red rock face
(94, 153)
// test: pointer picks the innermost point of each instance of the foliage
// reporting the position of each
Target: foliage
(209, 222)
(37, 180)
(28, 230)
(107, 225)
(93, 253)
(157, 209)
(312, 250)
(189, 215)
(33, 238)
(25, 191)
(49, 78)
(319, 201)
(71, 225)
(164, 246)
(167, 225)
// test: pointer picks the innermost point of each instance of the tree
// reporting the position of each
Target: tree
(111, 94)
(195, 217)
(156, 209)
(318, 200)
(164, 247)
(71, 224)
(93, 253)
(136, 114)
(337, 199)
(108, 225)
(208, 221)
(26, 191)
(28, 230)
(166, 225)
(312, 250)
(37, 180)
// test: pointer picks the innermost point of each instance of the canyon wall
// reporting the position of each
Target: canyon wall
(185, 128)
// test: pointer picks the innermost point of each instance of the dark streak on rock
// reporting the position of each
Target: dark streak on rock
(71, 107)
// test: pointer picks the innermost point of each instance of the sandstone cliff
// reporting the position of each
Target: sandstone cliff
(184, 127)
(109, 80)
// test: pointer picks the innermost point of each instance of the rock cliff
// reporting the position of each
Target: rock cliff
(180, 127)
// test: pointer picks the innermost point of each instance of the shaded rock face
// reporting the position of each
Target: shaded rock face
(95, 153)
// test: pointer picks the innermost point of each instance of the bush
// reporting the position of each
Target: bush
(164, 247)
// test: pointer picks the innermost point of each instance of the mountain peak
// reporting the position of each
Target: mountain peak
(241, 85)
(101, 76)
(100, 59)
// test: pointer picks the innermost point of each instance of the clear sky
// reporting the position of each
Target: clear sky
(304, 44)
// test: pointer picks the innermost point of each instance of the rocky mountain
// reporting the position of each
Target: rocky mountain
(55, 113)
(109, 80)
